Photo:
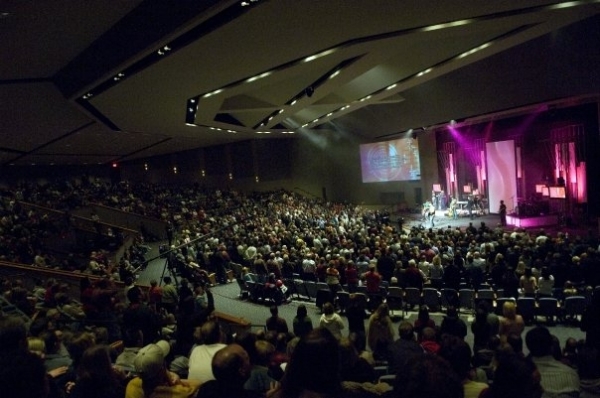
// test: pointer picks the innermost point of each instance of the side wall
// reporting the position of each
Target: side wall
(322, 164)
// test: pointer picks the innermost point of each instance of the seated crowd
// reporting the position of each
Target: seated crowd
(193, 355)
(172, 346)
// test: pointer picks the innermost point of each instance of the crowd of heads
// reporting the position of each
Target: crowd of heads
(280, 233)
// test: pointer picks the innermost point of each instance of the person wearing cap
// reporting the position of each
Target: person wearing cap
(154, 379)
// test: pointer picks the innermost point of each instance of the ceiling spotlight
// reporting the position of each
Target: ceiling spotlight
(309, 91)
(452, 122)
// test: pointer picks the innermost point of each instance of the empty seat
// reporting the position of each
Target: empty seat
(526, 308)
(300, 288)
(412, 297)
(244, 291)
(548, 307)
(361, 289)
(311, 289)
(394, 299)
(343, 298)
(573, 308)
(323, 296)
(466, 299)
(361, 300)
(486, 295)
(449, 297)
(431, 298)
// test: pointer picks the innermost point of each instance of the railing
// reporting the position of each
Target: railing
(232, 324)
(132, 221)
(80, 222)
(29, 274)
(307, 193)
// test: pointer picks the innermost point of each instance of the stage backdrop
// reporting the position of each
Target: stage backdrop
(501, 174)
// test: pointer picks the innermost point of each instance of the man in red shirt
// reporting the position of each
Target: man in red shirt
(351, 276)
(373, 279)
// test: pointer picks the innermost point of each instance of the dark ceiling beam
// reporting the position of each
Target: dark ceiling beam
(147, 24)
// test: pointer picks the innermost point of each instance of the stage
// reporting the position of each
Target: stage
(441, 220)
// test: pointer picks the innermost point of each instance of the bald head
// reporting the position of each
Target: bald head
(231, 364)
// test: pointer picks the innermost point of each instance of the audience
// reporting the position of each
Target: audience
(590, 321)
(380, 332)
(588, 368)
(429, 341)
(353, 367)
(458, 353)
(332, 321)
(201, 356)
(231, 367)
(275, 322)
(423, 321)
(453, 325)
(314, 369)
(291, 236)
(261, 379)
(427, 376)
(404, 349)
(96, 376)
(558, 379)
(514, 376)
(154, 379)
(302, 324)
(511, 322)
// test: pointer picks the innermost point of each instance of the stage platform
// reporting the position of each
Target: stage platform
(441, 220)
(532, 222)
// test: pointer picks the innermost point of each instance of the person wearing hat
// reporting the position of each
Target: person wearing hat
(153, 377)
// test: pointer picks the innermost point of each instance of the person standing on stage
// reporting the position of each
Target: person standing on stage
(502, 211)
(470, 204)
(431, 213)
(453, 208)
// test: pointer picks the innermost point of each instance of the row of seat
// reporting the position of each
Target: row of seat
(407, 298)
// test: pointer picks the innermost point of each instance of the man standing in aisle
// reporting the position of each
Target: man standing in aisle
(170, 298)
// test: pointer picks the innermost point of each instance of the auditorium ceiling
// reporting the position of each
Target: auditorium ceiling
(95, 82)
